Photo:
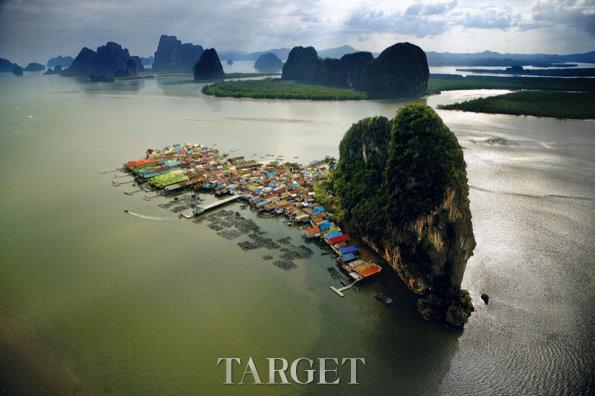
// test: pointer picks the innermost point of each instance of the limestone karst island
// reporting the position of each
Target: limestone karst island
(280, 197)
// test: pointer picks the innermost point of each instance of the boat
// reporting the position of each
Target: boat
(360, 269)
(388, 301)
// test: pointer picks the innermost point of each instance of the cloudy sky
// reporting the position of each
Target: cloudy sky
(34, 30)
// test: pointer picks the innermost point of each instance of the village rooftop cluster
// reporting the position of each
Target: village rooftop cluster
(269, 187)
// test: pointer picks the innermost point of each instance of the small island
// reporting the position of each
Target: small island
(173, 56)
(208, 66)
(7, 66)
(268, 62)
(401, 186)
(34, 67)
(400, 71)
(106, 63)
(451, 82)
(279, 89)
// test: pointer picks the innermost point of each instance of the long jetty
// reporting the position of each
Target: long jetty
(198, 210)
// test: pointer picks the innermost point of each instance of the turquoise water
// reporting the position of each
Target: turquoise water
(93, 300)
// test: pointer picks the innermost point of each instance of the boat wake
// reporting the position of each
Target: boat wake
(559, 196)
(145, 217)
(496, 141)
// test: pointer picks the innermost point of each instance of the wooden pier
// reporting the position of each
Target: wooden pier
(198, 210)
(340, 290)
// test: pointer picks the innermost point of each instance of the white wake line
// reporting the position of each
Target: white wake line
(532, 195)
(145, 217)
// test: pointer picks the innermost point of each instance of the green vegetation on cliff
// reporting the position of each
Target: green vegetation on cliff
(394, 171)
(401, 185)
(358, 180)
(279, 89)
(425, 159)
(576, 105)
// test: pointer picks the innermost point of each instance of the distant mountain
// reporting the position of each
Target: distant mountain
(282, 53)
(587, 57)
(147, 60)
(63, 61)
(490, 58)
(337, 52)
(548, 72)
(485, 58)
(252, 56)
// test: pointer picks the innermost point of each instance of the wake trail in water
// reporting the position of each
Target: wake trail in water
(145, 217)
(559, 196)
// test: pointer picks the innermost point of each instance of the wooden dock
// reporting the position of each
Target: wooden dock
(340, 290)
(200, 209)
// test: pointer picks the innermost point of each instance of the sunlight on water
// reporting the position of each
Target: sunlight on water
(105, 301)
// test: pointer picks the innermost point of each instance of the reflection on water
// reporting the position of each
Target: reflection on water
(132, 305)
(179, 85)
(116, 87)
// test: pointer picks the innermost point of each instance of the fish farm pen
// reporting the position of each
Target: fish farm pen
(182, 171)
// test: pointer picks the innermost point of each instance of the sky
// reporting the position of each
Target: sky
(34, 30)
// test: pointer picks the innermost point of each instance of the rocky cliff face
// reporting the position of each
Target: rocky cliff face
(400, 70)
(268, 62)
(138, 63)
(300, 64)
(303, 64)
(82, 64)
(113, 60)
(402, 186)
(353, 66)
(209, 66)
(173, 56)
(109, 61)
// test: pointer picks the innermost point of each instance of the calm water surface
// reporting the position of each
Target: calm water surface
(93, 300)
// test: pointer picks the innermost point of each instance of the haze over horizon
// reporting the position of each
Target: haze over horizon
(36, 30)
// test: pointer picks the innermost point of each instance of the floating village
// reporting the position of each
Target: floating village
(271, 188)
